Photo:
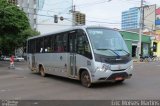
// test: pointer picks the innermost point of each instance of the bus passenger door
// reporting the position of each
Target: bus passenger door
(72, 54)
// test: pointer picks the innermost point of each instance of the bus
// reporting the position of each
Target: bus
(87, 53)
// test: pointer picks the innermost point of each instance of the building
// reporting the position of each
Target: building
(132, 39)
(30, 7)
(130, 19)
(151, 24)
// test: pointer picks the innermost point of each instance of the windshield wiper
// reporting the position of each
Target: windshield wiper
(110, 50)
(123, 50)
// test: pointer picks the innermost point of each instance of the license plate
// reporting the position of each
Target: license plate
(118, 78)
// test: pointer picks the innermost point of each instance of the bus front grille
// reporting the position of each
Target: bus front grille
(118, 70)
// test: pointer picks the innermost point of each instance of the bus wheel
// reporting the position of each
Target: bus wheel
(85, 79)
(41, 69)
(120, 81)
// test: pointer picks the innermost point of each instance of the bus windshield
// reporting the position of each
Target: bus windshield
(107, 42)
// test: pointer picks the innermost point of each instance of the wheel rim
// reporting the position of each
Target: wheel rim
(86, 79)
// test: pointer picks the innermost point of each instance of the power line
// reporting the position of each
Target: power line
(59, 2)
(102, 22)
(102, 18)
(40, 15)
(149, 14)
(37, 9)
(44, 10)
(93, 3)
(54, 24)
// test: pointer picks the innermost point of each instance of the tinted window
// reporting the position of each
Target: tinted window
(47, 44)
(107, 42)
(83, 46)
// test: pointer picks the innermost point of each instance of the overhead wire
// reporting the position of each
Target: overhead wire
(92, 3)
(68, 7)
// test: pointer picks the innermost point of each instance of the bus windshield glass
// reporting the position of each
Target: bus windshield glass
(107, 42)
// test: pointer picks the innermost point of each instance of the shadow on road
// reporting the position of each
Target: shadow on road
(77, 82)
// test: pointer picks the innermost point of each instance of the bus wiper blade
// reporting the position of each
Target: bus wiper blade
(110, 50)
(123, 50)
(102, 49)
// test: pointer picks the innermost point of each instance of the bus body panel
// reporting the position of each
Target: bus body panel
(53, 63)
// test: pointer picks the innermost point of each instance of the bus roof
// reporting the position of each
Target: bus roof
(68, 29)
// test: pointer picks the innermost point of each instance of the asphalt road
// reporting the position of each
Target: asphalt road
(22, 84)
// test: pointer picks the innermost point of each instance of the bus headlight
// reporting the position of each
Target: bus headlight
(105, 67)
(131, 67)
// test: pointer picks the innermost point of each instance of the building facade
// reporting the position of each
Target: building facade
(149, 16)
(132, 39)
(130, 19)
(30, 8)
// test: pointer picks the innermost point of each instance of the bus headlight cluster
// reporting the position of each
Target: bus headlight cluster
(131, 67)
(105, 67)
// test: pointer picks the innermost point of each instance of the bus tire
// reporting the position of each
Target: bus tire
(120, 81)
(41, 70)
(85, 79)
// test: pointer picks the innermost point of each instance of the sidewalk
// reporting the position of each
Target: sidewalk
(135, 60)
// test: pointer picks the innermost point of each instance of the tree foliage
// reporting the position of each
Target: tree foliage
(14, 27)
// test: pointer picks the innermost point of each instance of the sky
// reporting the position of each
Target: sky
(107, 13)
(98, 12)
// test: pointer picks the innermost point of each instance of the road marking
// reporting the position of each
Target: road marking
(35, 103)
(18, 68)
(4, 90)
(7, 76)
(20, 77)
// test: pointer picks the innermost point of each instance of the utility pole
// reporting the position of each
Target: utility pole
(140, 30)
(73, 12)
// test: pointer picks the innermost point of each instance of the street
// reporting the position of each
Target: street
(21, 84)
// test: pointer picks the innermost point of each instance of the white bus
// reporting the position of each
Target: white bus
(89, 54)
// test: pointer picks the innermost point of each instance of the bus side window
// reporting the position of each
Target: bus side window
(32, 46)
(65, 40)
(83, 46)
(53, 43)
(38, 42)
(58, 43)
(41, 45)
(47, 44)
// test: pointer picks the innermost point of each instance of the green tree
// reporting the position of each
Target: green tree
(21, 41)
(14, 27)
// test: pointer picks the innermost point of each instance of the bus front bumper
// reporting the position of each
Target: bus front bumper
(100, 76)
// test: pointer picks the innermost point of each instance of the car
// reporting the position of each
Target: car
(2, 58)
(18, 58)
(6, 58)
